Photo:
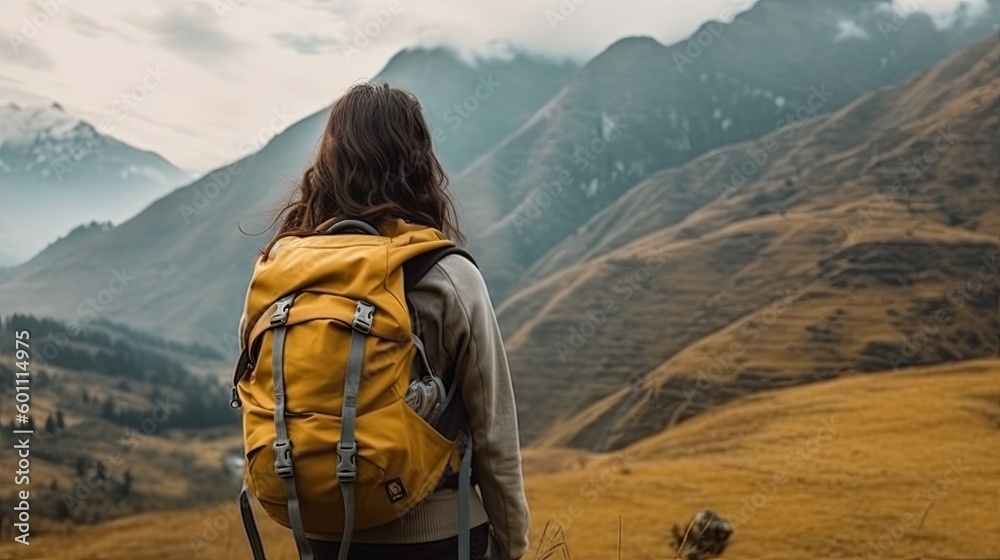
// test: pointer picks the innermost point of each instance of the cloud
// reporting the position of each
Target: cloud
(191, 28)
(26, 53)
(944, 13)
(342, 9)
(307, 43)
(87, 26)
(847, 29)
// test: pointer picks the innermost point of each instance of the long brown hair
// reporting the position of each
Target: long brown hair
(376, 163)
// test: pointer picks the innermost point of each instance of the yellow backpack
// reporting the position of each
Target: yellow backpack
(328, 353)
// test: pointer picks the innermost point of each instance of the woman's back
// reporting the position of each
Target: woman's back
(375, 167)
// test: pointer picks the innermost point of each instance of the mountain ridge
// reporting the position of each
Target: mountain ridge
(674, 104)
(193, 233)
(60, 170)
(690, 273)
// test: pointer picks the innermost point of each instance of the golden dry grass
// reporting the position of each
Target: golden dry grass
(908, 460)
(813, 472)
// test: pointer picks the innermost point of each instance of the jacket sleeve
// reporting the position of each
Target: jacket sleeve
(488, 395)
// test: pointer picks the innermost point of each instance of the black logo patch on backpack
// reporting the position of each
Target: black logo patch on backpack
(395, 490)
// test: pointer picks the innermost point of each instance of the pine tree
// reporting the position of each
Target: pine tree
(127, 484)
(108, 409)
(102, 469)
(60, 422)
(50, 424)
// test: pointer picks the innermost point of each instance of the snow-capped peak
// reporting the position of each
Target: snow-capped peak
(23, 126)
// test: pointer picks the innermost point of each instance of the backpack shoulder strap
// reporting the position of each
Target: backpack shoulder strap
(450, 421)
(417, 267)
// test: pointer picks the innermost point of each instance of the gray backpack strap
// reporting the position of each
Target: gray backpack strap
(352, 224)
(282, 445)
(250, 524)
(464, 495)
(347, 447)
(242, 366)
(450, 417)
(415, 268)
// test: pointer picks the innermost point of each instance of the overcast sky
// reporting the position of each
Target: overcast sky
(216, 71)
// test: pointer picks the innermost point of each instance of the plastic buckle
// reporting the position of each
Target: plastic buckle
(280, 315)
(347, 467)
(363, 314)
(283, 458)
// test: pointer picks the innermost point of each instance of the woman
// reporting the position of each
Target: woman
(375, 163)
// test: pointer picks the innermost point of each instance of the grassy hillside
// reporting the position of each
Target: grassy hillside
(907, 461)
(812, 472)
(122, 424)
(865, 240)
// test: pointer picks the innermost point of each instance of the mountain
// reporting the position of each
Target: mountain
(473, 104)
(188, 262)
(641, 106)
(59, 171)
(184, 261)
(863, 240)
